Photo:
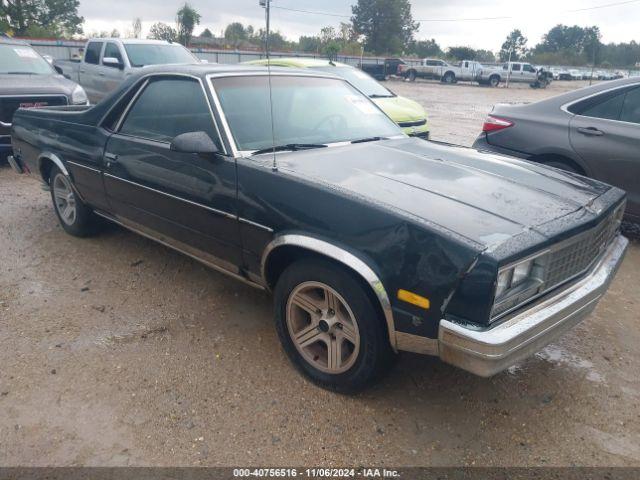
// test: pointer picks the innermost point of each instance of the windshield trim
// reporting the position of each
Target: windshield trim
(225, 124)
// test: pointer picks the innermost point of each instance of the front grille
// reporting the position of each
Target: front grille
(417, 123)
(576, 255)
(9, 105)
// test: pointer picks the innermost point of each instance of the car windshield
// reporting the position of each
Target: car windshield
(141, 54)
(306, 110)
(363, 82)
(22, 59)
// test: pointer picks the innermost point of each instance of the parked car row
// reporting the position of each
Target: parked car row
(473, 71)
(577, 74)
(372, 242)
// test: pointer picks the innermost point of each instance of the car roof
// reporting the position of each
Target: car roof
(132, 41)
(298, 62)
(204, 69)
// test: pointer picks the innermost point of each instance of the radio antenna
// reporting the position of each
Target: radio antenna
(267, 6)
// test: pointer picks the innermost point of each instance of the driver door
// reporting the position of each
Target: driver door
(185, 200)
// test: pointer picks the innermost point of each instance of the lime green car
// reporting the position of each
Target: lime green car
(406, 113)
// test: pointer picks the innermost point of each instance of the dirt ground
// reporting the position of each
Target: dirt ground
(115, 350)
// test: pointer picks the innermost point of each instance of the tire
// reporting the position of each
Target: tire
(412, 76)
(75, 217)
(323, 287)
(494, 80)
(449, 78)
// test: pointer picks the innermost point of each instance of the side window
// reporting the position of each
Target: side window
(169, 107)
(631, 107)
(431, 63)
(92, 55)
(515, 67)
(608, 107)
(528, 68)
(505, 67)
(112, 51)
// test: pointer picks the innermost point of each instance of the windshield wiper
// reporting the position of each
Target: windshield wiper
(369, 139)
(20, 73)
(289, 147)
(378, 95)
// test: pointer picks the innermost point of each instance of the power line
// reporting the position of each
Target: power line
(472, 19)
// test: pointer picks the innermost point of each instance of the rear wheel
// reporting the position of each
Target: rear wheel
(412, 75)
(494, 80)
(449, 78)
(75, 217)
(329, 326)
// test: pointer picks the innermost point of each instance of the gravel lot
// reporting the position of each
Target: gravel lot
(115, 350)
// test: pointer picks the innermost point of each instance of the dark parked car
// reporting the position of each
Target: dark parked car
(372, 242)
(593, 131)
(28, 80)
(382, 71)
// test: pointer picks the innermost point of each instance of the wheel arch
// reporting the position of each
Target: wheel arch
(46, 160)
(559, 157)
(285, 249)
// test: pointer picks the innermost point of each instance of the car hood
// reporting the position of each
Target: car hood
(483, 197)
(35, 85)
(401, 109)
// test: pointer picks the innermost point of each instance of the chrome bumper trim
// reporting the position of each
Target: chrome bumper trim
(5, 125)
(487, 352)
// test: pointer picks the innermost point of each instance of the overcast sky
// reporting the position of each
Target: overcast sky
(534, 17)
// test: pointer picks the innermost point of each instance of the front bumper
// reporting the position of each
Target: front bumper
(487, 352)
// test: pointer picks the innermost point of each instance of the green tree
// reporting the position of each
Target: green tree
(461, 53)
(426, 48)
(331, 50)
(514, 47)
(115, 33)
(162, 31)
(387, 25)
(309, 44)
(186, 20)
(485, 56)
(59, 17)
(206, 33)
(235, 33)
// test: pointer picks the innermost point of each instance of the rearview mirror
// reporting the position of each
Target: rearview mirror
(112, 62)
(194, 142)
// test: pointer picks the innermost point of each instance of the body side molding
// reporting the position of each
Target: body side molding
(342, 256)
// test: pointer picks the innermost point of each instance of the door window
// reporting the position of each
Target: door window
(515, 67)
(167, 108)
(608, 107)
(112, 51)
(528, 68)
(93, 53)
(631, 107)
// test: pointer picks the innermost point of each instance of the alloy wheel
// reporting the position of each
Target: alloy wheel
(323, 327)
(65, 199)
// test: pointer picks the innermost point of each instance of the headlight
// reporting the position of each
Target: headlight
(518, 282)
(79, 96)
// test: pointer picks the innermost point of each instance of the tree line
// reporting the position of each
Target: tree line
(376, 27)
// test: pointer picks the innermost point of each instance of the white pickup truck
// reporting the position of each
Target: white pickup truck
(469, 70)
(108, 61)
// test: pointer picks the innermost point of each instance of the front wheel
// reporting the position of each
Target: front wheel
(75, 217)
(329, 326)
(449, 78)
(494, 81)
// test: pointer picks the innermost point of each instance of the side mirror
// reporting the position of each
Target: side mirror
(194, 142)
(112, 62)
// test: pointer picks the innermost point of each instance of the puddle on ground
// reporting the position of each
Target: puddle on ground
(558, 355)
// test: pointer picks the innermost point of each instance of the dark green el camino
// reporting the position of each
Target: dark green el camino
(372, 242)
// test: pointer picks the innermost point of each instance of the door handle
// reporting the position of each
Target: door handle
(110, 158)
(591, 131)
